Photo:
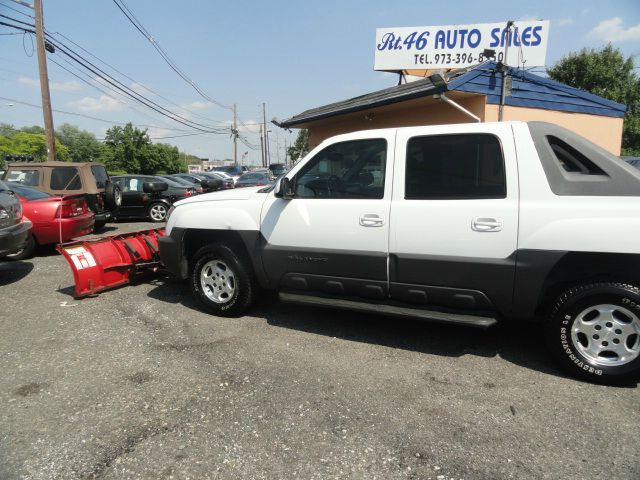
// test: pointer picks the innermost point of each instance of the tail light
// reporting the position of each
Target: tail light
(71, 208)
(260, 184)
(199, 190)
(187, 193)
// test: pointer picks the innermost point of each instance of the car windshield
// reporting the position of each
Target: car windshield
(181, 181)
(169, 181)
(28, 192)
(252, 176)
(226, 169)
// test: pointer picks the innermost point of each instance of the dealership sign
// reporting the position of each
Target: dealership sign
(457, 46)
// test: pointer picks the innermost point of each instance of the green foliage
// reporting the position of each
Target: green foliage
(125, 150)
(300, 147)
(82, 145)
(23, 142)
(606, 72)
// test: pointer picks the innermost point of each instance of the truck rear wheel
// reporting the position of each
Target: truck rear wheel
(222, 281)
(594, 330)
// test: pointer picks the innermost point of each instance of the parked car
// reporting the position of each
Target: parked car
(64, 178)
(233, 171)
(152, 202)
(277, 169)
(187, 183)
(255, 179)
(55, 219)
(14, 228)
(469, 224)
(227, 181)
(205, 183)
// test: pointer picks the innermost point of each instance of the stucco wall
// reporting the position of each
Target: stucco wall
(421, 111)
(603, 131)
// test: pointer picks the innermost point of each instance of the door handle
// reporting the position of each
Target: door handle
(371, 220)
(483, 224)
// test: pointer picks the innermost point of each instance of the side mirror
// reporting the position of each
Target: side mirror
(211, 184)
(283, 189)
(154, 187)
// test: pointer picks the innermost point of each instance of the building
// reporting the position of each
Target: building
(477, 90)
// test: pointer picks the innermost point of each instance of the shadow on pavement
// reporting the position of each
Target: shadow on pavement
(521, 343)
(11, 272)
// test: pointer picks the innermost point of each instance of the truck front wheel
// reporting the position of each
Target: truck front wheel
(594, 330)
(222, 281)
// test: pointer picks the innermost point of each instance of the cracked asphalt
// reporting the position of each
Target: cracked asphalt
(139, 383)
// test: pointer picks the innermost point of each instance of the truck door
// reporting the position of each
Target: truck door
(454, 217)
(333, 236)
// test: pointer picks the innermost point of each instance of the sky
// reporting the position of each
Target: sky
(290, 55)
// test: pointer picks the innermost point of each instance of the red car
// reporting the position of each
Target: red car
(55, 219)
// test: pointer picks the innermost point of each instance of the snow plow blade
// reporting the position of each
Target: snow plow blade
(109, 262)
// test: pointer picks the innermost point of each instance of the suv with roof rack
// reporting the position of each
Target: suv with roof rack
(66, 178)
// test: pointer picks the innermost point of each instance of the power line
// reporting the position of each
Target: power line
(17, 11)
(65, 50)
(145, 33)
(134, 80)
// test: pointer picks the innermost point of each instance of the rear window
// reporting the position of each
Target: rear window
(168, 181)
(25, 176)
(65, 178)
(28, 192)
(451, 167)
(253, 176)
(100, 175)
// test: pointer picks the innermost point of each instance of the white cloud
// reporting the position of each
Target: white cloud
(564, 22)
(197, 105)
(104, 103)
(140, 88)
(612, 31)
(72, 86)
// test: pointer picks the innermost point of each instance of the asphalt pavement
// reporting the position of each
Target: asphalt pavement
(139, 383)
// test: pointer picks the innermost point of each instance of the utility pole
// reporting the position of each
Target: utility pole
(504, 68)
(44, 83)
(235, 137)
(266, 136)
(261, 145)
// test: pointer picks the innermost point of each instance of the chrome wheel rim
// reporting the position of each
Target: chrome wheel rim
(607, 335)
(158, 212)
(218, 281)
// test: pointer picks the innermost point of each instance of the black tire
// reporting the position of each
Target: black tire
(112, 195)
(99, 224)
(26, 252)
(589, 327)
(235, 302)
(157, 212)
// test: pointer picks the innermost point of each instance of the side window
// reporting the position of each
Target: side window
(450, 167)
(100, 175)
(135, 184)
(30, 177)
(65, 178)
(571, 160)
(352, 169)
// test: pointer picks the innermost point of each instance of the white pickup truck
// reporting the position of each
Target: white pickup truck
(468, 224)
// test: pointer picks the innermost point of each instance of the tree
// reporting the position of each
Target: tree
(33, 144)
(606, 72)
(82, 145)
(300, 147)
(128, 147)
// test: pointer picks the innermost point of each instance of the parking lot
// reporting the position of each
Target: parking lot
(139, 383)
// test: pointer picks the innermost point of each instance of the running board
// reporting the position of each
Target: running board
(383, 309)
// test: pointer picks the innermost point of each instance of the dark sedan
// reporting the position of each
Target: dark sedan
(152, 203)
(255, 179)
